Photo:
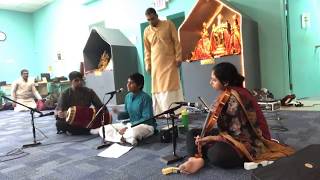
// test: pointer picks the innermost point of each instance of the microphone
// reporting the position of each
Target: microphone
(46, 114)
(191, 104)
(116, 91)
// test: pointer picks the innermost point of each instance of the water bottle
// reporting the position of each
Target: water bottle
(185, 119)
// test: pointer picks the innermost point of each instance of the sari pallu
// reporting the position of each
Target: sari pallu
(254, 143)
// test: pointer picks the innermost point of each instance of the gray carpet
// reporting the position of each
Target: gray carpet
(75, 157)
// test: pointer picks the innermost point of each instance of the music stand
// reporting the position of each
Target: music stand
(104, 143)
(169, 159)
(32, 110)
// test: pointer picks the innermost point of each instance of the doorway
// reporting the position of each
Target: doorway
(303, 24)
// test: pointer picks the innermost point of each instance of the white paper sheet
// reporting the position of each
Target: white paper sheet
(115, 151)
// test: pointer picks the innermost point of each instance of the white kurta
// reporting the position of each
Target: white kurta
(162, 53)
(24, 92)
(132, 134)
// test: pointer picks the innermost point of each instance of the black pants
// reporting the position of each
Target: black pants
(63, 126)
(218, 154)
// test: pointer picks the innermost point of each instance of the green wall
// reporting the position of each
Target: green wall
(62, 27)
(305, 49)
(269, 14)
(17, 51)
(130, 18)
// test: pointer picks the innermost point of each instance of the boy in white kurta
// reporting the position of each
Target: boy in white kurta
(24, 92)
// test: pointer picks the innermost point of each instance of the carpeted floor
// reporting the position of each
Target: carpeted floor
(75, 157)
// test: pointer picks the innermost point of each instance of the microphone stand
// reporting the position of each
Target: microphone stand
(32, 110)
(104, 143)
(169, 159)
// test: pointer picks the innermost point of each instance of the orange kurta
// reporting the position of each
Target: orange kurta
(162, 51)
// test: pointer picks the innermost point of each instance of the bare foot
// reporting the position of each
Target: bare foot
(192, 165)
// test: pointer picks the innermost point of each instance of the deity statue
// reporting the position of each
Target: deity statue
(104, 61)
(202, 49)
(204, 31)
(235, 38)
(213, 38)
(226, 37)
(223, 39)
(217, 32)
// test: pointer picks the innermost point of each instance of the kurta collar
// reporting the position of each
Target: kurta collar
(136, 94)
(158, 25)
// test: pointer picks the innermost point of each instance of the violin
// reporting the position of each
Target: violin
(212, 117)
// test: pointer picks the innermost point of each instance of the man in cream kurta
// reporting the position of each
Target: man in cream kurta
(24, 92)
(162, 59)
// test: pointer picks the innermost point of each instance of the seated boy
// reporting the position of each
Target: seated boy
(138, 108)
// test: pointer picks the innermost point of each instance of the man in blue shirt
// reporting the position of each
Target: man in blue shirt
(138, 108)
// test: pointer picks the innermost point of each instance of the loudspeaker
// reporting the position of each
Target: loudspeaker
(304, 164)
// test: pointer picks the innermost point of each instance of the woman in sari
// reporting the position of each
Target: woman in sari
(238, 133)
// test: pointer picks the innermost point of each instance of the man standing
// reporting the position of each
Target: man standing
(162, 59)
(24, 92)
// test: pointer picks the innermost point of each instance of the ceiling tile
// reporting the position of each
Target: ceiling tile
(24, 5)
